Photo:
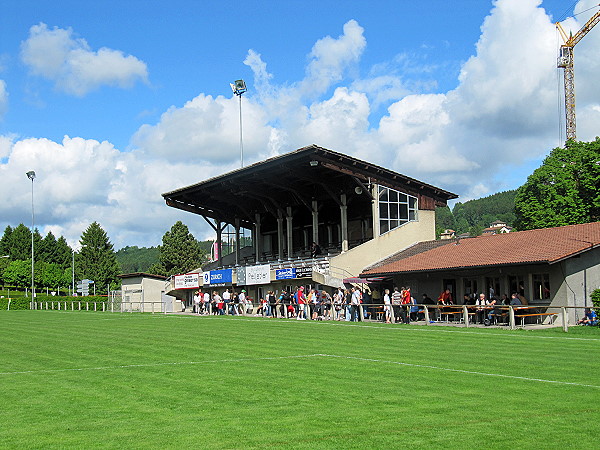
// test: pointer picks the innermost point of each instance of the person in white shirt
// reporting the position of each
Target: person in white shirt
(197, 302)
(206, 299)
(242, 298)
(387, 306)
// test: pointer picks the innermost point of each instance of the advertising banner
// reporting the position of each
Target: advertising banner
(241, 276)
(187, 281)
(220, 277)
(285, 274)
(303, 272)
(258, 274)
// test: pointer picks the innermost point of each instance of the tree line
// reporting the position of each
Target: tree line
(55, 260)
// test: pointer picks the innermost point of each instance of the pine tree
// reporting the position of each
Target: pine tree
(5, 242)
(96, 259)
(63, 253)
(179, 253)
(47, 249)
(20, 243)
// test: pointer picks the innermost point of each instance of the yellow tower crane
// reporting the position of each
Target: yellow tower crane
(565, 61)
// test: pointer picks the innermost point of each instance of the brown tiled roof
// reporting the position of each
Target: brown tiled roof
(414, 249)
(547, 245)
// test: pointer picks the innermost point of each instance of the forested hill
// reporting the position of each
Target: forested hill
(475, 215)
(136, 259)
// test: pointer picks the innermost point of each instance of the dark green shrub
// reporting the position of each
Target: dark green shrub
(596, 298)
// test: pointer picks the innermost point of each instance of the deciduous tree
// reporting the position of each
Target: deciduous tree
(564, 190)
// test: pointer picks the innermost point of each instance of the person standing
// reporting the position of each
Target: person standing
(301, 299)
(397, 304)
(197, 302)
(354, 303)
(241, 303)
(387, 306)
(406, 301)
(206, 300)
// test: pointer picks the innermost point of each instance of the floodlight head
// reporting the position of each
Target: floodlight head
(314, 163)
(239, 87)
(31, 175)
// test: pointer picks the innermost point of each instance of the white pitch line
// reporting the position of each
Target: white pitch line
(177, 363)
(471, 372)
(421, 328)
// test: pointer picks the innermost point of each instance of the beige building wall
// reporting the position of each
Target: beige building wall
(151, 292)
(352, 262)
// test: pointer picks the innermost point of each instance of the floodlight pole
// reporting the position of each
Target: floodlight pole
(31, 176)
(73, 267)
(238, 88)
(241, 137)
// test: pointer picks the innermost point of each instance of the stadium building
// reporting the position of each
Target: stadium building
(311, 217)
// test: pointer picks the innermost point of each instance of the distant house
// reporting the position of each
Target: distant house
(448, 234)
(497, 227)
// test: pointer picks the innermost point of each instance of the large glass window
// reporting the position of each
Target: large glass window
(395, 209)
(228, 239)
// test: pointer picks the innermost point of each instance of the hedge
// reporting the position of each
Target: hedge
(15, 303)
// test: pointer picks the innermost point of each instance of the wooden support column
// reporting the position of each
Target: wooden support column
(375, 209)
(315, 221)
(219, 231)
(280, 235)
(344, 222)
(258, 240)
(288, 218)
(237, 241)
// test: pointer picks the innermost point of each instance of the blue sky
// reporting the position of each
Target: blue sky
(113, 103)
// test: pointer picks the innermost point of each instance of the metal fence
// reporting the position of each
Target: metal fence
(509, 316)
(108, 306)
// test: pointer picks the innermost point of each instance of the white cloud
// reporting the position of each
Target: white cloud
(68, 61)
(330, 58)
(3, 98)
(206, 129)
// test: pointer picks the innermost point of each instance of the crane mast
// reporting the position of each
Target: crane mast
(565, 61)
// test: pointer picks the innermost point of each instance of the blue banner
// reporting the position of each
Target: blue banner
(285, 274)
(218, 276)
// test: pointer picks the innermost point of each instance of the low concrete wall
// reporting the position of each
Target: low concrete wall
(352, 262)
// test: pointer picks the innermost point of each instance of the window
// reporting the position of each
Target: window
(492, 287)
(228, 239)
(516, 284)
(541, 286)
(395, 209)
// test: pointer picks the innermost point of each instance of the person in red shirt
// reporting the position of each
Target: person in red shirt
(301, 299)
(406, 300)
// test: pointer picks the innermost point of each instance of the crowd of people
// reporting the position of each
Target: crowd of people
(315, 304)
(355, 304)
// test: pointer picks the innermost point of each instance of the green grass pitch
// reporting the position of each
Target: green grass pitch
(74, 379)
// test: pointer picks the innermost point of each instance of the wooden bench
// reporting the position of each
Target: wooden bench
(537, 315)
